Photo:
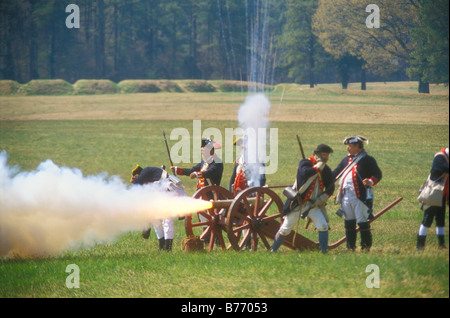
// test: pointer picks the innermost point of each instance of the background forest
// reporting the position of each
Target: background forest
(269, 41)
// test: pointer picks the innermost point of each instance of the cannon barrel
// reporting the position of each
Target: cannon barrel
(221, 204)
(225, 204)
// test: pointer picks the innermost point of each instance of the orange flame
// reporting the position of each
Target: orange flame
(208, 205)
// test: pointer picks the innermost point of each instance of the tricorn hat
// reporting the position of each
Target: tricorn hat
(356, 140)
(207, 141)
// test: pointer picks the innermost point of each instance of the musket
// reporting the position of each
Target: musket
(303, 155)
(167, 147)
(301, 147)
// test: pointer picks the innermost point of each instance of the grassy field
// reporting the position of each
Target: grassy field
(112, 133)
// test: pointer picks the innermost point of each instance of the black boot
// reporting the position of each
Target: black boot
(366, 236)
(168, 246)
(441, 240)
(162, 243)
(350, 234)
(421, 242)
(146, 233)
(323, 241)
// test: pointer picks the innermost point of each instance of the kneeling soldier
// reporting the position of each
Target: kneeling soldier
(314, 185)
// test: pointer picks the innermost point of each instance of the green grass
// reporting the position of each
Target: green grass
(133, 267)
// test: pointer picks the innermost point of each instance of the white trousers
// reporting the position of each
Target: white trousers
(164, 229)
(354, 208)
(291, 220)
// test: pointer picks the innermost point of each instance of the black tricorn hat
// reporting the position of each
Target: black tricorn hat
(356, 140)
(323, 148)
(207, 141)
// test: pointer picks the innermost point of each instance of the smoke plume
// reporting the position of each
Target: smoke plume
(252, 117)
(52, 209)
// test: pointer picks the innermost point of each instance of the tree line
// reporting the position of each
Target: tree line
(269, 41)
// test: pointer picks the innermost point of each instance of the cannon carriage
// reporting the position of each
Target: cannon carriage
(253, 216)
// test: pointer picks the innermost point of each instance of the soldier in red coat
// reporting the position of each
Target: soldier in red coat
(241, 177)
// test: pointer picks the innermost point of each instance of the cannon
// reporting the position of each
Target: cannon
(241, 222)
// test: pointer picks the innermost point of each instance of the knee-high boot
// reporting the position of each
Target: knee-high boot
(162, 244)
(350, 234)
(323, 241)
(366, 236)
(168, 245)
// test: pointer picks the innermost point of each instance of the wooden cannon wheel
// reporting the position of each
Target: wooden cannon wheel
(251, 218)
(209, 224)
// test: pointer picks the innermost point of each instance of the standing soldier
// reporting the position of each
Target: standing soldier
(241, 178)
(439, 171)
(164, 228)
(209, 171)
(314, 185)
(358, 173)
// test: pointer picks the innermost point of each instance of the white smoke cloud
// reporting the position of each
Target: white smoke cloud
(52, 209)
(253, 119)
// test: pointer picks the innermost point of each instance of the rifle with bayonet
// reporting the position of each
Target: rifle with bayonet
(173, 178)
(168, 151)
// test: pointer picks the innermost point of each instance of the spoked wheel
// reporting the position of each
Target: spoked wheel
(209, 224)
(252, 217)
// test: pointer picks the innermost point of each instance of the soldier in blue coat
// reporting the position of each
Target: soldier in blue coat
(164, 228)
(314, 185)
(209, 171)
(358, 173)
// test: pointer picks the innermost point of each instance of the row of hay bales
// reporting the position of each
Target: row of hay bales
(86, 87)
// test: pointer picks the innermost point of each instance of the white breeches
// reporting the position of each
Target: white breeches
(291, 220)
(318, 218)
(354, 208)
(164, 229)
